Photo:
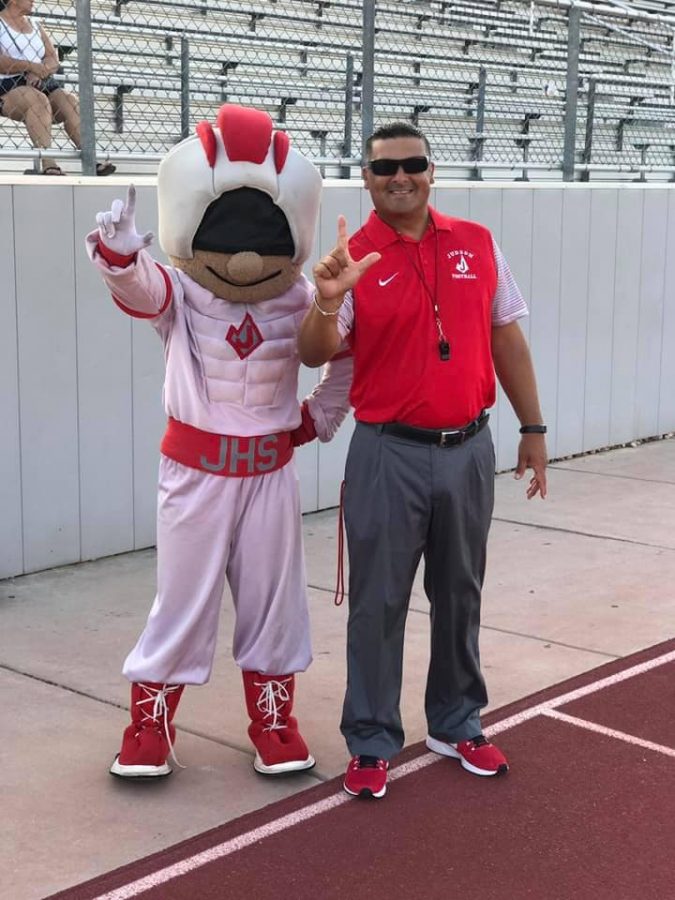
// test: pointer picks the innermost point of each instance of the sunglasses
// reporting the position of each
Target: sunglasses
(412, 165)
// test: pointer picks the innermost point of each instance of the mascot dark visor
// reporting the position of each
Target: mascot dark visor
(244, 219)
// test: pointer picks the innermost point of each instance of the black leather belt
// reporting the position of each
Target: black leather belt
(445, 438)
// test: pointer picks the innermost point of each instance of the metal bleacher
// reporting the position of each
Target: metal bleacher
(291, 57)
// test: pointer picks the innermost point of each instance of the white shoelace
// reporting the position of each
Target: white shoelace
(160, 710)
(272, 696)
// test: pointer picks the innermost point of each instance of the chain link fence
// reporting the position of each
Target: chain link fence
(502, 88)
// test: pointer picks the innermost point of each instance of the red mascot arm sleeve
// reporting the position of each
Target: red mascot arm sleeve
(114, 259)
(305, 431)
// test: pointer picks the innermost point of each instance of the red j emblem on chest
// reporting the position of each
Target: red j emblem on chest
(246, 338)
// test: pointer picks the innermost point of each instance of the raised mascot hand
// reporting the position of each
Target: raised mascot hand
(117, 227)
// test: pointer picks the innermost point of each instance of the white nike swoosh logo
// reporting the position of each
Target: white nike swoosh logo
(383, 282)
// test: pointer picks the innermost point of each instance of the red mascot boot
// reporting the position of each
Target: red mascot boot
(149, 739)
(273, 730)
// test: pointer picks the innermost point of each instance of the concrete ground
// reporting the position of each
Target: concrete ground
(585, 577)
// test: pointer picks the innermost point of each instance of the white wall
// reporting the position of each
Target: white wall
(80, 383)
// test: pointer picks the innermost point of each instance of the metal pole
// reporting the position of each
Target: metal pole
(480, 101)
(590, 116)
(368, 83)
(320, 135)
(572, 88)
(184, 87)
(349, 114)
(479, 137)
(86, 87)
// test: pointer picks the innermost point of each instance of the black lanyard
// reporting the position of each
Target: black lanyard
(443, 344)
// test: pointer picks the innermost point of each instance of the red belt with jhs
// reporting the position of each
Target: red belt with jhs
(226, 454)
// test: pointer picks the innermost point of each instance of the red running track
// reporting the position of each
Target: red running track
(587, 812)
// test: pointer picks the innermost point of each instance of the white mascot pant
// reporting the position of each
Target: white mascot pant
(211, 528)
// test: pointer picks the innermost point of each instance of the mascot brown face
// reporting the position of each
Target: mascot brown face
(237, 207)
(243, 249)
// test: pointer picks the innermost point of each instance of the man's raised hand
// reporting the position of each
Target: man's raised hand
(337, 272)
(117, 227)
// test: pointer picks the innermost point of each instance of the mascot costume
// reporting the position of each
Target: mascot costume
(237, 213)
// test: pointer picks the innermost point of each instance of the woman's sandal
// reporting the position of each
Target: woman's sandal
(105, 168)
(49, 170)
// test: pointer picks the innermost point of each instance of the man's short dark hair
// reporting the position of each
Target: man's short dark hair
(396, 130)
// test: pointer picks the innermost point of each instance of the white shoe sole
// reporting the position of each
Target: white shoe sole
(139, 771)
(295, 765)
(365, 792)
(448, 750)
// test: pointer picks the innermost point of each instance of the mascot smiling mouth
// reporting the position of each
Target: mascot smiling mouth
(244, 283)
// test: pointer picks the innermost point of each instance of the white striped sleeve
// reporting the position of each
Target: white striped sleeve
(508, 303)
(345, 320)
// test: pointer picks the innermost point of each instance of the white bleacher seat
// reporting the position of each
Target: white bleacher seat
(289, 57)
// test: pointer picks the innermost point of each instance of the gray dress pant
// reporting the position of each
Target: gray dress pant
(403, 500)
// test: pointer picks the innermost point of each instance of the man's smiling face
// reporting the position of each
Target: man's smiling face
(399, 196)
(245, 277)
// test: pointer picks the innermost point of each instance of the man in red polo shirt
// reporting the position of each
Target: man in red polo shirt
(430, 308)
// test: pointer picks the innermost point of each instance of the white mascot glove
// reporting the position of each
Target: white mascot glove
(117, 227)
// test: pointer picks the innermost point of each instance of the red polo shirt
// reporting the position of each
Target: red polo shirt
(398, 373)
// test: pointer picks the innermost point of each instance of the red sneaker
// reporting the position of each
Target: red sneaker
(477, 755)
(366, 776)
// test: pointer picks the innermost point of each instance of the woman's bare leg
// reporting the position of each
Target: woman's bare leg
(25, 104)
(66, 109)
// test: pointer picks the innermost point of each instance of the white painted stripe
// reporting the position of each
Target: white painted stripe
(420, 762)
(609, 732)
(591, 688)
(218, 852)
(251, 837)
(302, 815)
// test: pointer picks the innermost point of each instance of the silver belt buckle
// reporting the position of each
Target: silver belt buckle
(443, 442)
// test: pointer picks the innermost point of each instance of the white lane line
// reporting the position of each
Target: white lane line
(251, 837)
(302, 815)
(609, 732)
(218, 852)
(617, 678)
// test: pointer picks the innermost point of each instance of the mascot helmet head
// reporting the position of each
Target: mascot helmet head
(235, 189)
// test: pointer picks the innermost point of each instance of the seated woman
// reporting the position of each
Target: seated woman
(28, 91)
